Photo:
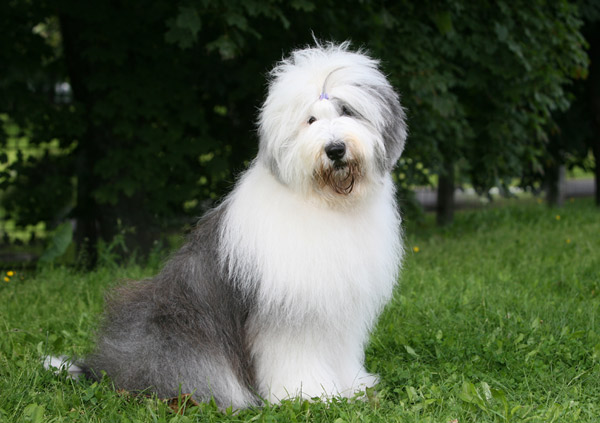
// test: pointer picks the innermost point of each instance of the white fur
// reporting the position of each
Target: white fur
(297, 82)
(322, 276)
(320, 264)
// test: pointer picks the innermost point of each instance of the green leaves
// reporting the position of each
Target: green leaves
(237, 20)
(183, 29)
(443, 21)
(491, 401)
(150, 93)
(481, 80)
(34, 413)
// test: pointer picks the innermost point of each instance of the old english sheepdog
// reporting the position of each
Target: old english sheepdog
(276, 290)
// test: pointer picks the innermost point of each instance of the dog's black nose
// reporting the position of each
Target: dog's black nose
(335, 150)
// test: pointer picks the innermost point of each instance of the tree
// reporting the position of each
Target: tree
(575, 135)
(163, 96)
(150, 123)
(593, 98)
(578, 131)
(480, 81)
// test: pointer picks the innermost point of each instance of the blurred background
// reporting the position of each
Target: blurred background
(121, 122)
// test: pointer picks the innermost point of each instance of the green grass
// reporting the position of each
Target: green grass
(496, 319)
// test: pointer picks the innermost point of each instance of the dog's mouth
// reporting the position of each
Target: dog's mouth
(341, 176)
(339, 164)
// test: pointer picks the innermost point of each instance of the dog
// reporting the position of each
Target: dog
(276, 290)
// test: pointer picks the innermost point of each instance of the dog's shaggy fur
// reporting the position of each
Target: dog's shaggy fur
(276, 290)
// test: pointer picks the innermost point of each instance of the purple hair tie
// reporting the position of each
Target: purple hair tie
(323, 96)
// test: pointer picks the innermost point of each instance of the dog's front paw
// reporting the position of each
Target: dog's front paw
(359, 384)
(305, 389)
(367, 380)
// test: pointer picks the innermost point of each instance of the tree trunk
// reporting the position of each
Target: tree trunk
(593, 32)
(96, 220)
(445, 195)
(86, 210)
(555, 185)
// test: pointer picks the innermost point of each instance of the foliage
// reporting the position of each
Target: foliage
(148, 127)
(494, 321)
(158, 112)
(238, 17)
(575, 139)
(481, 79)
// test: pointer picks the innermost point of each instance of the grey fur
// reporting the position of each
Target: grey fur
(324, 89)
(182, 331)
(394, 132)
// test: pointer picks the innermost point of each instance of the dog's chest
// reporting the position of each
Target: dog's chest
(306, 258)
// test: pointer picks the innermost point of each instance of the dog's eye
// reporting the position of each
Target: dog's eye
(311, 120)
(346, 111)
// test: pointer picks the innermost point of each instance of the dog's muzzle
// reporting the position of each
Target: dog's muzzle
(342, 173)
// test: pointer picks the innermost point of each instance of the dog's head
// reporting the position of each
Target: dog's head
(332, 124)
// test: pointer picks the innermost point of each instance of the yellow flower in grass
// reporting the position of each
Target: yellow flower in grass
(558, 217)
(9, 275)
(568, 240)
(416, 249)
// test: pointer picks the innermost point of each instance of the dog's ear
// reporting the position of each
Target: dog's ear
(395, 130)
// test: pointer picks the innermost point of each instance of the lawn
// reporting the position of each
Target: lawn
(496, 319)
